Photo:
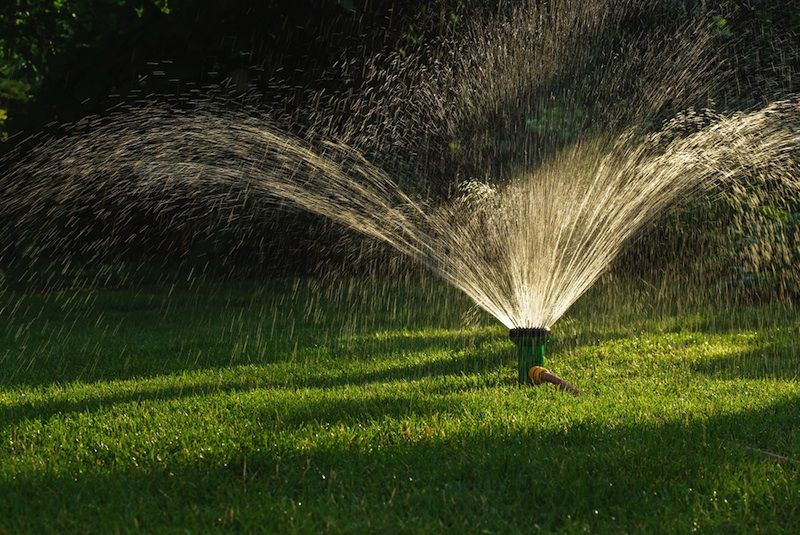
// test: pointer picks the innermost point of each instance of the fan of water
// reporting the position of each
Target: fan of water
(524, 240)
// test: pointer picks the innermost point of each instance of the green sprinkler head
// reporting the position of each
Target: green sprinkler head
(530, 359)
(530, 343)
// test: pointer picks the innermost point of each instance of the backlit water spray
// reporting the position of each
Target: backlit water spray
(524, 241)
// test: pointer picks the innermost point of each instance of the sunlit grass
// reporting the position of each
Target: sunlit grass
(297, 407)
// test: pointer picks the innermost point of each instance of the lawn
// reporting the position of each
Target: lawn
(356, 406)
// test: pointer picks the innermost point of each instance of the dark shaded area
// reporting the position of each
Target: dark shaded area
(125, 48)
(75, 55)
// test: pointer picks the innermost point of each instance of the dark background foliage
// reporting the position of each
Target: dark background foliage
(63, 59)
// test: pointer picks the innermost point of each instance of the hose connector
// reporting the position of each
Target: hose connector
(539, 375)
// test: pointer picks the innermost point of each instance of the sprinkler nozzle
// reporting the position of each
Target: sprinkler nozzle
(521, 334)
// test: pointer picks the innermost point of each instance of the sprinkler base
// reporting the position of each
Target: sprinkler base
(539, 375)
(530, 343)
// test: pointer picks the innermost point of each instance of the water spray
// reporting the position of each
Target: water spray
(530, 344)
(523, 247)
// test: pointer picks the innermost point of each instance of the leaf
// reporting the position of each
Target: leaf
(721, 27)
(14, 89)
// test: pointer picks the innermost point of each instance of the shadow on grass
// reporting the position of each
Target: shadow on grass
(775, 360)
(692, 474)
(124, 357)
(478, 361)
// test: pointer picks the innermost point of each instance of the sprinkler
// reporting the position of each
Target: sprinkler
(530, 344)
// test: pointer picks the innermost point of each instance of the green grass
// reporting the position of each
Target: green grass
(358, 406)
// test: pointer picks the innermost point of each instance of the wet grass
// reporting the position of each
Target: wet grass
(358, 406)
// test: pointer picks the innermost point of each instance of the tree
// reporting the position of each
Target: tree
(35, 32)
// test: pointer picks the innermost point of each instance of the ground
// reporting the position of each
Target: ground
(356, 406)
